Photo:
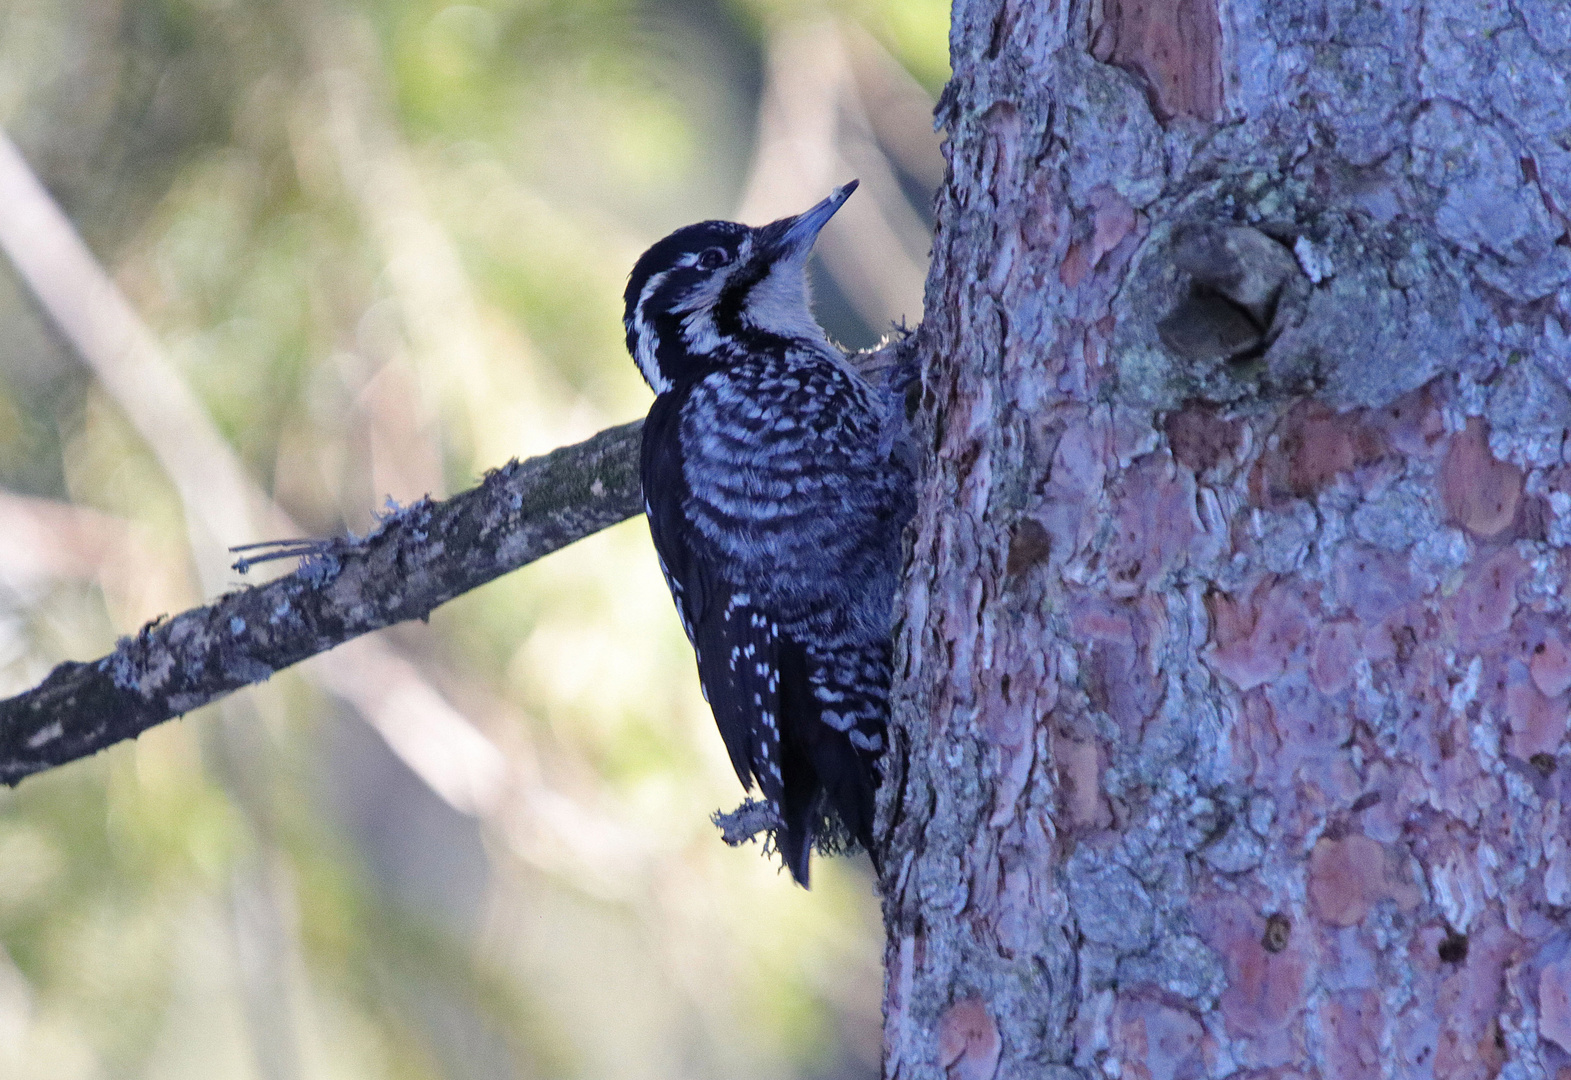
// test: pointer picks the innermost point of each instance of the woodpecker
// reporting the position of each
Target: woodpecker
(776, 507)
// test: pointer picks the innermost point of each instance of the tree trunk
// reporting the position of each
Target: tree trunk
(1232, 737)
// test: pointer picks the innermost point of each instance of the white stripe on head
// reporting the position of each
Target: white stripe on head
(648, 342)
(698, 329)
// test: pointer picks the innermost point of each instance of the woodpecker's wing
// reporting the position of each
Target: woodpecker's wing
(739, 664)
(737, 645)
(787, 483)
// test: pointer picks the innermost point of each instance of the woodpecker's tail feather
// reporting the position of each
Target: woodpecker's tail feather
(832, 733)
(851, 688)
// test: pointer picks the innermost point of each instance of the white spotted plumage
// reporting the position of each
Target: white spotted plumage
(776, 506)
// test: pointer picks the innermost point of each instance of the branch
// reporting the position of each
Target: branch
(422, 556)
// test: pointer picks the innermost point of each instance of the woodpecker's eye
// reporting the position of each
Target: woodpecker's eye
(713, 258)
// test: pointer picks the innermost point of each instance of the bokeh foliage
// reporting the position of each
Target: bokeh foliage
(384, 243)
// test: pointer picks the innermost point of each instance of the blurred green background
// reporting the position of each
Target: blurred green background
(377, 249)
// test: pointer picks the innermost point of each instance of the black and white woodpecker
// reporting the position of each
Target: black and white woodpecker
(776, 507)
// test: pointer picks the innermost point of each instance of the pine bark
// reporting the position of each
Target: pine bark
(1232, 730)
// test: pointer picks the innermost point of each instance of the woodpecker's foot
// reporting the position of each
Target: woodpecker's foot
(906, 369)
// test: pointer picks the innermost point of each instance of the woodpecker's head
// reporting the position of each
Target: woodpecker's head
(718, 283)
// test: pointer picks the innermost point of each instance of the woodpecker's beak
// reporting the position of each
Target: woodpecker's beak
(794, 236)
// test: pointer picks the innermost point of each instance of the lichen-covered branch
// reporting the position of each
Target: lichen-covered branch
(418, 558)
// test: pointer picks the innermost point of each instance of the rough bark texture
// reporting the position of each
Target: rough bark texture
(1232, 737)
(420, 557)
